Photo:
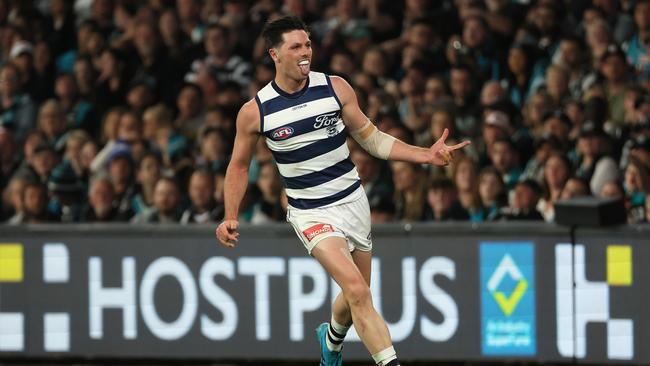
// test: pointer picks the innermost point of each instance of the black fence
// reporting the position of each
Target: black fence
(455, 292)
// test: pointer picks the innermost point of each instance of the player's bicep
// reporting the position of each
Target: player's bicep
(353, 116)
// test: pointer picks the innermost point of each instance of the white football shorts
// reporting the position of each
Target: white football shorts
(350, 220)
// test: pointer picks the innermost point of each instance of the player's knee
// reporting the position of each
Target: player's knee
(358, 294)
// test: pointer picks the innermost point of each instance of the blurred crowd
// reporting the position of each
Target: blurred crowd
(121, 110)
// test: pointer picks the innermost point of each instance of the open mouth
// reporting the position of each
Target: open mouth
(304, 66)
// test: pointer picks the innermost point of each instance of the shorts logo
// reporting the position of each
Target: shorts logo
(282, 133)
(313, 231)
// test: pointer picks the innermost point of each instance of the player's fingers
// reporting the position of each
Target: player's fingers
(445, 133)
(232, 225)
(459, 145)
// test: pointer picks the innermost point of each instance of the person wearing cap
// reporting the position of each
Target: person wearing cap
(66, 192)
(39, 164)
(496, 125)
(17, 111)
(120, 166)
(593, 160)
(21, 55)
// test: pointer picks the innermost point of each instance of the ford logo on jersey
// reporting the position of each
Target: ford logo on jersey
(325, 120)
(282, 133)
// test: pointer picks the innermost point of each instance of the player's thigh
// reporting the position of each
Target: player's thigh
(363, 261)
(334, 255)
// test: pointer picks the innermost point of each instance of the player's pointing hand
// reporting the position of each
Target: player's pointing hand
(443, 154)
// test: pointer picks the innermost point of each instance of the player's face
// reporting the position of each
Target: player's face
(293, 56)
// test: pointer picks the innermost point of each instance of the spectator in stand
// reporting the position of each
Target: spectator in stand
(101, 206)
(525, 198)
(575, 187)
(34, 203)
(558, 125)
(191, 114)
(166, 210)
(78, 113)
(148, 173)
(443, 203)
(9, 156)
(536, 108)
(269, 207)
(40, 163)
(410, 185)
(220, 60)
(518, 74)
(204, 209)
(557, 171)
(374, 176)
(74, 143)
(120, 166)
(543, 148)
(465, 178)
(52, 123)
(65, 191)
(17, 112)
(13, 196)
(492, 192)
(462, 83)
(637, 46)
(154, 118)
(44, 72)
(214, 149)
(505, 159)
(112, 81)
(594, 162)
(636, 184)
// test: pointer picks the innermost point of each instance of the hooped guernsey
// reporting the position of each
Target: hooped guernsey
(306, 135)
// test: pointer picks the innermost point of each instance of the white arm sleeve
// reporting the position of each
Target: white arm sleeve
(375, 142)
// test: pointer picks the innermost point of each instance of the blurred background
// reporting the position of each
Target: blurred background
(124, 110)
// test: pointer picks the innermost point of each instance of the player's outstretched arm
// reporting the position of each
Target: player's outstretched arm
(382, 145)
(236, 182)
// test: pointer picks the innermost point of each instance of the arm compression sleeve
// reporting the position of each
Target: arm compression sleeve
(375, 142)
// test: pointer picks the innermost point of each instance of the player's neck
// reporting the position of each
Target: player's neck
(289, 85)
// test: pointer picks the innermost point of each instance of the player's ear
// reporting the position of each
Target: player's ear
(274, 54)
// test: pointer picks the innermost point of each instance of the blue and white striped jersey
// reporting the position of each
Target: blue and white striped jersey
(306, 135)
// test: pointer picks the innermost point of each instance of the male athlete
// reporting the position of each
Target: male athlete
(303, 115)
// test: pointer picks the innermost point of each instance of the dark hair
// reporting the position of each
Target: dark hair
(220, 27)
(273, 30)
(442, 183)
(192, 86)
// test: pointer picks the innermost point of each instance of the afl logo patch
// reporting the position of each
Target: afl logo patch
(282, 133)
